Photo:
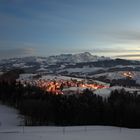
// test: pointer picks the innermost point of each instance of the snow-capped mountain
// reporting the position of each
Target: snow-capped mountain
(34, 63)
(63, 58)
(75, 58)
(82, 64)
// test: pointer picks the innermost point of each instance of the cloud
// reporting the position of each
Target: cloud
(115, 50)
(129, 55)
(16, 52)
(127, 35)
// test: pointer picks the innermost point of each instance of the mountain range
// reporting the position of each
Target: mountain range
(73, 58)
(69, 64)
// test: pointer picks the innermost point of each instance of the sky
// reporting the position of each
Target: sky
(50, 27)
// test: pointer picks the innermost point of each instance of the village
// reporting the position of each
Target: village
(62, 84)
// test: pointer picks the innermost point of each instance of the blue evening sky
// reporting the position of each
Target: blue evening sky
(49, 27)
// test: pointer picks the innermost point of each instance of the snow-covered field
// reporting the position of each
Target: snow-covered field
(26, 76)
(8, 117)
(83, 70)
(49, 77)
(9, 130)
(119, 75)
(105, 92)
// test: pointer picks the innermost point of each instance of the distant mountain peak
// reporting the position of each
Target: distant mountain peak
(86, 53)
(75, 58)
(68, 58)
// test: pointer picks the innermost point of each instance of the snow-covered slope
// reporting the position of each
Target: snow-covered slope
(105, 92)
(111, 75)
(8, 117)
(119, 75)
(82, 70)
(14, 132)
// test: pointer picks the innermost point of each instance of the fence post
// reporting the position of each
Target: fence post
(64, 130)
(85, 128)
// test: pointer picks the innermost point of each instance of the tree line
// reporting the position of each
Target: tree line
(38, 107)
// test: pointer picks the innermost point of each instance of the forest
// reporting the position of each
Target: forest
(38, 107)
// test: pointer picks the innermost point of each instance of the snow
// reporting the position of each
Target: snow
(102, 83)
(74, 133)
(19, 65)
(42, 69)
(105, 92)
(72, 89)
(25, 66)
(111, 75)
(29, 76)
(26, 76)
(119, 75)
(8, 117)
(22, 65)
(137, 77)
(75, 58)
(10, 131)
(83, 70)
(48, 77)
(40, 60)
(124, 66)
